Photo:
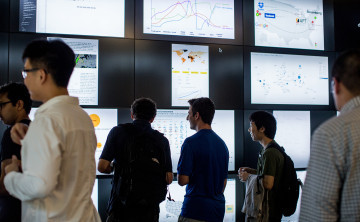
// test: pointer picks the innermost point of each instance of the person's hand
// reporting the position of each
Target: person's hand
(243, 173)
(18, 132)
(14, 166)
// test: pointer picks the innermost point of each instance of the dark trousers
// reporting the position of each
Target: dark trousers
(135, 214)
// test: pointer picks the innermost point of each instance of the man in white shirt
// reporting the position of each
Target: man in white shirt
(58, 165)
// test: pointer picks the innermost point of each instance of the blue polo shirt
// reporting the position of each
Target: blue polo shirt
(204, 158)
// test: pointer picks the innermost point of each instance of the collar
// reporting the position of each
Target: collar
(352, 104)
(55, 100)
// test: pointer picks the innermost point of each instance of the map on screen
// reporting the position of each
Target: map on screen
(198, 18)
(190, 73)
(289, 79)
(289, 24)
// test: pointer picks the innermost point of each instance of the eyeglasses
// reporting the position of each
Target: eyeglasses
(4, 103)
(24, 72)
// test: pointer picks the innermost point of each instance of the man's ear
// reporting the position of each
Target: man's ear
(19, 105)
(336, 86)
(197, 116)
(262, 129)
(43, 76)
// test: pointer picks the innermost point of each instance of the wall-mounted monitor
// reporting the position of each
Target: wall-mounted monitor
(189, 73)
(289, 24)
(289, 79)
(195, 18)
(170, 210)
(103, 119)
(176, 129)
(293, 133)
(95, 17)
(84, 79)
(212, 21)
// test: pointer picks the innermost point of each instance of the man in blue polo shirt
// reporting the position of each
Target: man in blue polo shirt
(203, 166)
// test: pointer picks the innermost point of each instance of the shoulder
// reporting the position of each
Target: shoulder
(273, 153)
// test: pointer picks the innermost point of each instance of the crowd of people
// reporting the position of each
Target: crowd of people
(48, 165)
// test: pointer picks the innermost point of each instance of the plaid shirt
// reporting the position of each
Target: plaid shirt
(332, 185)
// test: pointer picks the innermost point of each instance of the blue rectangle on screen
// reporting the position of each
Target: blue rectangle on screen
(269, 15)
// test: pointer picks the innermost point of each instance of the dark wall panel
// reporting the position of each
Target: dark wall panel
(4, 57)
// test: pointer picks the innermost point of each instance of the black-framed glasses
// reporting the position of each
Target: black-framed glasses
(24, 72)
(4, 103)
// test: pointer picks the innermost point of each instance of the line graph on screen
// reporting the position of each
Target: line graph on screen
(201, 18)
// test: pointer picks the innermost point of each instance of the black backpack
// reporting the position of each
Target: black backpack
(140, 177)
(289, 185)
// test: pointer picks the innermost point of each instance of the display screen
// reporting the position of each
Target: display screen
(170, 210)
(289, 23)
(190, 73)
(294, 134)
(78, 17)
(175, 127)
(289, 79)
(103, 119)
(197, 18)
(85, 77)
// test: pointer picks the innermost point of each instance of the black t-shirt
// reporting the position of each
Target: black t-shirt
(8, 147)
(118, 136)
(10, 207)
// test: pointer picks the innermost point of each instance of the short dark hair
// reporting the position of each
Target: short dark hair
(266, 120)
(16, 92)
(144, 109)
(346, 70)
(205, 107)
(56, 57)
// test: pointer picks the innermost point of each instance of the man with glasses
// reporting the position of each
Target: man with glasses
(58, 148)
(15, 105)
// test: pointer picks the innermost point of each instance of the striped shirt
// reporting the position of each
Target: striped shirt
(332, 185)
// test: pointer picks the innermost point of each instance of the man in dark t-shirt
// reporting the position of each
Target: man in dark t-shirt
(143, 112)
(15, 105)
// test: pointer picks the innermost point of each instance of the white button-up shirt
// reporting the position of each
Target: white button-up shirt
(58, 165)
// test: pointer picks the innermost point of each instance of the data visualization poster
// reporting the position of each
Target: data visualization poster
(293, 133)
(78, 17)
(289, 79)
(289, 24)
(84, 79)
(104, 120)
(170, 210)
(198, 18)
(190, 73)
(175, 127)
